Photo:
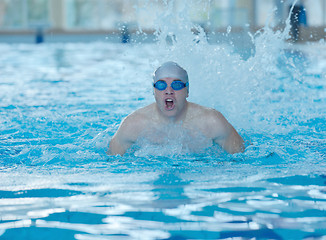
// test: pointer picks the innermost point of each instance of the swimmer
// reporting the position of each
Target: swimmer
(171, 89)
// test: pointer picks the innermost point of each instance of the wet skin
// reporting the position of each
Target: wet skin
(171, 107)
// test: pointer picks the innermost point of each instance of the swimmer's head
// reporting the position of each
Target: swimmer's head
(173, 70)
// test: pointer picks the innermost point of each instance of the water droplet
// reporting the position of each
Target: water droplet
(228, 30)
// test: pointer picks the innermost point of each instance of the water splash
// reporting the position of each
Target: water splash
(224, 80)
(261, 95)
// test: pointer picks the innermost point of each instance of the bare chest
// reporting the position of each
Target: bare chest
(174, 137)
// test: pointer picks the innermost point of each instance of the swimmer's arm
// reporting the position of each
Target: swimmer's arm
(227, 137)
(123, 138)
(118, 145)
(232, 143)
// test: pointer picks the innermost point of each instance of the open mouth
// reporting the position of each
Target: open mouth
(169, 104)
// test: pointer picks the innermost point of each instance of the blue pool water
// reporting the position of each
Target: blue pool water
(61, 104)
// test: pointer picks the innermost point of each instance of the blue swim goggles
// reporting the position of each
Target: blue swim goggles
(175, 85)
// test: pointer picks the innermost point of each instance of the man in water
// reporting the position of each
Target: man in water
(171, 89)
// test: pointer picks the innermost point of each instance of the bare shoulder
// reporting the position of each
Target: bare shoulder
(210, 121)
(205, 113)
(129, 130)
(215, 126)
(138, 119)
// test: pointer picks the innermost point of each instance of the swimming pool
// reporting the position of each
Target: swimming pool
(61, 104)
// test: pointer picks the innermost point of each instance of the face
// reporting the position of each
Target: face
(170, 102)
